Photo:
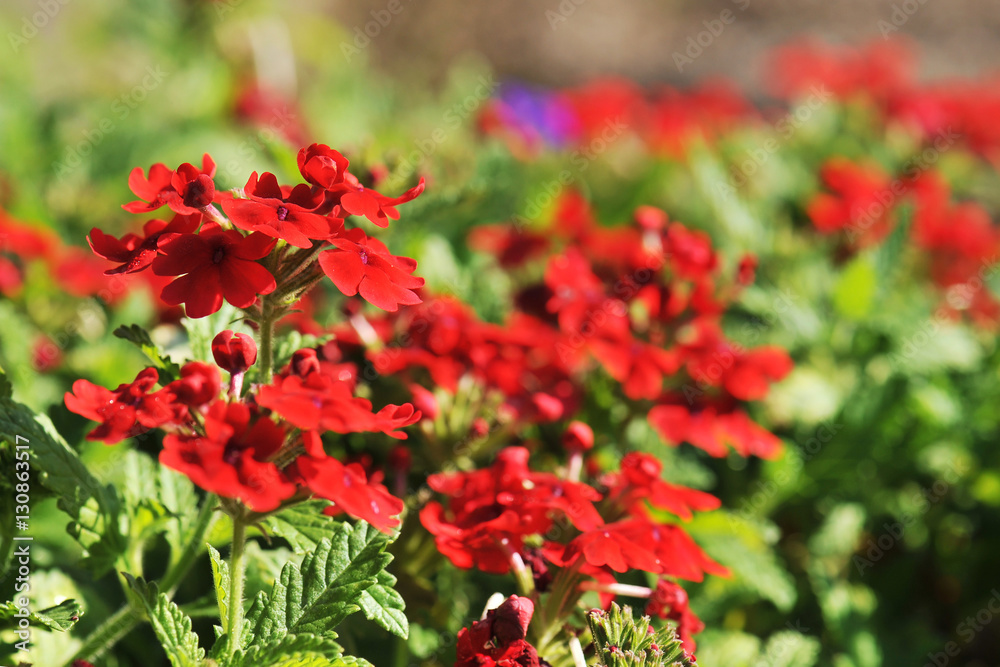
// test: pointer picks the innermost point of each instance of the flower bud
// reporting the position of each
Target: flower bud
(578, 437)
(234, 352)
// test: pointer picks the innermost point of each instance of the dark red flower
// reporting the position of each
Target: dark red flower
(214, 264)
(133, 252)
(124, 412)
(185, 191)
(363, 265)
(499, 638)
(234, 353)
(267, 210)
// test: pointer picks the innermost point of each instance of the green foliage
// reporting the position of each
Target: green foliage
(94, 509)
(622, 641)
(135, 334)
(303, 524)
(60, 617)
(329, 585)
(171, 625)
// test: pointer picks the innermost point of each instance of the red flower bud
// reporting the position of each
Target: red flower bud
(234, 352)
(578, 437)
(425, 402)
(304, 362)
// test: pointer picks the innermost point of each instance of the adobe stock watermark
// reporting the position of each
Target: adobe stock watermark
(862, 218)
(363, 35)
(782, 130)
(121, 107)
(696, 44)
(967, 631)
(892, 532)
(765, 490)
(30, 26)
(255, 142)
(581, 160)
(562, 12)
(901, 13)
(451, 120)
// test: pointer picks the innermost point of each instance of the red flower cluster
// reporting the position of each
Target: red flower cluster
(242, 257)
(264, 449)
(959, 237)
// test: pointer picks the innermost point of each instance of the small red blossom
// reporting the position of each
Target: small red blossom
(213, 265)
(123, 412)
(267, 210)
(186, 190)
(362, 265)
(234, 457)
(136, 253)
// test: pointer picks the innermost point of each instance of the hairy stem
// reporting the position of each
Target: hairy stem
(266, 357)
(237, 573)
(192, 547)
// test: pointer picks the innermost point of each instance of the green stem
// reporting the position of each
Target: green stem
(107, 634)
(266, 357)
(236, 577)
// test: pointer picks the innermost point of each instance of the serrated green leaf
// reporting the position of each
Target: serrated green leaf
(303, 525)
(294, 651)
(139, 337)
(171, 625)
(60, 617)
(221, 579)
(316, 596)
(94, 508)
(380, 603)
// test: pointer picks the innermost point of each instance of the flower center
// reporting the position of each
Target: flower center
(220, 254)
(364, 257)
(282, 213)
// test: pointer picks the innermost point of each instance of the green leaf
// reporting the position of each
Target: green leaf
(854, 294)
(295, 651)
(790, 649)
(380, 603)
(171, 625)
(139, 337)
(220, 576)
(61, 617)
(303, 525)
(94, 508)
(316, 596)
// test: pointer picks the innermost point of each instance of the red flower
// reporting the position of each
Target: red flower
(712, 430)
(363, 265)
(234, 353)
(199, 384)
(125, 412)
(269, 211)
(135, 253)
(348, 487)
(861, 201)
(670, 601)
(233, 458)
(377, 207)
(639, 480)
(318, 402)
(185, 191)
(215, 263)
